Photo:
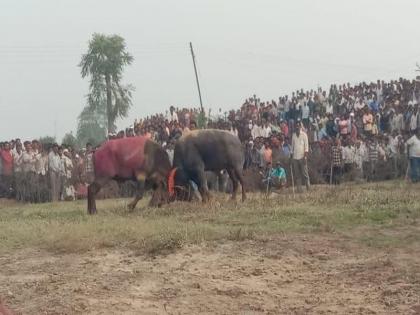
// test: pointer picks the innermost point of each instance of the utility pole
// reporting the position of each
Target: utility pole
(55, 128)
(196, 77)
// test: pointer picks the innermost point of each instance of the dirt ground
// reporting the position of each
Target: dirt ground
(293, 274)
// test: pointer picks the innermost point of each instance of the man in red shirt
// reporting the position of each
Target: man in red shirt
(7, 171)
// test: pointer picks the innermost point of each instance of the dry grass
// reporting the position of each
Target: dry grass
(65, 227)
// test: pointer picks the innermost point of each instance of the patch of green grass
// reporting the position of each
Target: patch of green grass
(67, 227)
(381, 239)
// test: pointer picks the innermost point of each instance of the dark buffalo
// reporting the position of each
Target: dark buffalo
(208, 150)
(133, 158)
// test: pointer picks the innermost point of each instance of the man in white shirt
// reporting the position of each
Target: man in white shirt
(54, 167)
(397, 123)
(300, 151)
(172, 116)
(360, 156)
(395, 143)
(256, 131)
(359, 104)
(28, 159)
(305, 111)
(266, 130)
(413, 145)
(414, 119)
(17, 154)
(348, 157)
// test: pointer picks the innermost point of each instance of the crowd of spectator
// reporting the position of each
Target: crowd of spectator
(363, 130)
(36, 172)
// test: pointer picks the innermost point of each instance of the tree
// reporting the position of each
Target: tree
(47, 140)
(69, 140)
(418, 70)
(104, 64)
(91, 127)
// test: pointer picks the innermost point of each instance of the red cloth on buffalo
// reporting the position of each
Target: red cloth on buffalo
(120, 157)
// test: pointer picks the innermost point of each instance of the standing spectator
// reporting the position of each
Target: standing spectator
(248, 155)
(256, 159)
(89, 171)
(367, 122)
(54, 167)
(300, 149)
(173, 116)
(349, 152)
(336, 162)
(256, 131)
(17, 154)
(176, 131)
(305, 113)
(266, 154)
(343, 125)
(7, 171)
(266, 130)
(414, 155)
(397, 123)
(393, 151)
(69, 191)
(330, 127)
(41, 169)
(413, 119)
(28, 168)
(284, 128)
(373, 155)
(353, 128)
(360, 156)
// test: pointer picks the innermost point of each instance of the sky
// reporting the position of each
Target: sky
(243, 47)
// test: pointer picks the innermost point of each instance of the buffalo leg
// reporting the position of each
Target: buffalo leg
(139, 195)
(201, 180)
(203, 188)
(156, 200)
(232, 176)
(239, 176)
(160, 194)
(93, 189)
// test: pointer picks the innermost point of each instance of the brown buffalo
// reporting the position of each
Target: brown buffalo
(132, 158)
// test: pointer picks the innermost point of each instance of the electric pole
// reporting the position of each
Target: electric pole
(196, 77)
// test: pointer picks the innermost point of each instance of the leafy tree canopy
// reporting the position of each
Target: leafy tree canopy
(104, 63)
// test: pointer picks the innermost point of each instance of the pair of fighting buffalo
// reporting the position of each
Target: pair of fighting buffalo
(147, 163)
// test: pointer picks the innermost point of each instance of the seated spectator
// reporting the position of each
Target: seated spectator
(275, 176)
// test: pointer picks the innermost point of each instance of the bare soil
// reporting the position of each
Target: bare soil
(285, 274)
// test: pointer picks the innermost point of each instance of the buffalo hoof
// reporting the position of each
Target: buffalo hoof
(131, 207)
